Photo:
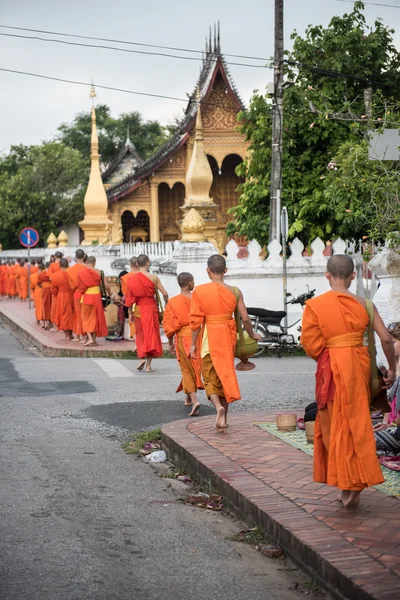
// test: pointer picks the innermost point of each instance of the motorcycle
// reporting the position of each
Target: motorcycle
(270, 325)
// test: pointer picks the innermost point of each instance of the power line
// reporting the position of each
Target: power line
(114, 48)
(114, 89)
(371, 3)
(99, 39)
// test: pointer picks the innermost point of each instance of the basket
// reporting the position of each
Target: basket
(286, 422)
(310, 431)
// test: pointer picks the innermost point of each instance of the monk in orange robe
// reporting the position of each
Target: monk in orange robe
(34, 266)
(44, 282)
(176, 328)
(141, 292)
(211, 312)
(72, 273)
(36, 294)
(61, 289)
(2, 279)
(53, 268)
(124, 288)
(23, 275)
(333, 329)
(17, 267)
(12, 284)
(93, 319)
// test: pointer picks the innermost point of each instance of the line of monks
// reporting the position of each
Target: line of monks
(67, 298)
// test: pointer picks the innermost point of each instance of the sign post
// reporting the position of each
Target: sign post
(284, 233)
(28, 238)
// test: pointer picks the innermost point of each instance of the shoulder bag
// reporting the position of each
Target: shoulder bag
(245, 345)
(105, 298)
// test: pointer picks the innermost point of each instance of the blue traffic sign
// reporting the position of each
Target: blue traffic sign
(28, 237)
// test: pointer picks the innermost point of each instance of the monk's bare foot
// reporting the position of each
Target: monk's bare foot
(188, 401)
(89, 343)
(353, 499)
(53, 329)
(150, 370)
(141, 365)
(195, 410)
(76, 340)
(220, 422)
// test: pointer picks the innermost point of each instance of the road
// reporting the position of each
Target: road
(81, 520)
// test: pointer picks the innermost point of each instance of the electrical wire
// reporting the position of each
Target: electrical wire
(99, 39)
(371, 3)
(114, 48)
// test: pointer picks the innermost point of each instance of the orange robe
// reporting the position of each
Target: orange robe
(36, 295)
(124, 289)
(12, 284)
(141, 291)
(60, 288)
(176, 324)
(93, 319)
(53, 268)
(344, 446)
(34, 269)
(45, 286)
(72, 273)
(2, 280)
(17, 268)
(212, 307)
(23, 282)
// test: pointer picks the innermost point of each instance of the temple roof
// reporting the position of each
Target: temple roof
(123, 164)
(213, 65)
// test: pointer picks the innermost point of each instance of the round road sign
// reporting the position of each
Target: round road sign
(28, 237)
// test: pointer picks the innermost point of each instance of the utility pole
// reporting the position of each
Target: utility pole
(277, 126)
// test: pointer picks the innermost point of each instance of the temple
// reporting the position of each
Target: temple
(145, 197)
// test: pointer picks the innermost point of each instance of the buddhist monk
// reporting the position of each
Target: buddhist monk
(60, 288)
(176, 328)
(12, 285)
(36, 294)
(34, 266)
(2, 279)
(333, 329)
(72, 273)
(17, 266)
(211, 313)
(23, 276)
(44, 282)
(54, 267)
(142, 288)
(132, 311)
(93, 320)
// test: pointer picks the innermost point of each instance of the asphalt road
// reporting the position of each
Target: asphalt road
(81, 520)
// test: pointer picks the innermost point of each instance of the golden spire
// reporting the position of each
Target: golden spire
(96, 202)
(199, 176)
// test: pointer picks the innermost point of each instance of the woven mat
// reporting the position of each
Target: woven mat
(297, 439)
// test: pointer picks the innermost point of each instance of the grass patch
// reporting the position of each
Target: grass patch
(253, 537)
(136, 444)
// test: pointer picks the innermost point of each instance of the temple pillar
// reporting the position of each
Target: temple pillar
(155, 215)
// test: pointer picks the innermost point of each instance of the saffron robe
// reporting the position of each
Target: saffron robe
(213, 306)
(12, 285)
(23, 282)
(141, 291)
(2, 279)
(93, 319)
(16, 276)
(60, 288)
(176, 324)
(45, 286)
(72, 273)
(36, 295)
(53, 268)
(344, 446)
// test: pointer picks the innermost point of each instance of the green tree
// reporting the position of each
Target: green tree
(147, 136)
(41, 186)
(322, 112)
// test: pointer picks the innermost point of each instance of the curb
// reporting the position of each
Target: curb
(302, 537)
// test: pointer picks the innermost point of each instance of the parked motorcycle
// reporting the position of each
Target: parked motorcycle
(270, 325)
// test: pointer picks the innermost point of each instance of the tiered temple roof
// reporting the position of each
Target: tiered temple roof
(214, 65)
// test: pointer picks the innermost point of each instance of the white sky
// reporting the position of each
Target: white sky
(31, 109)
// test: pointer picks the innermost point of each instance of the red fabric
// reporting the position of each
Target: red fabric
(72, 273)
(90, 278)
(141, 291)
(325, 383)
(23, 282)
(3, 279)
(53, 268)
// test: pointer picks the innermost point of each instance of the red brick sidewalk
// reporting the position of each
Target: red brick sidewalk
(22, 320)
(356, 553)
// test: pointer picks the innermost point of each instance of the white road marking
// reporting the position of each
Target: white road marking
(113, 368)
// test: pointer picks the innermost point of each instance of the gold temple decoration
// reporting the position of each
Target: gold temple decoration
(52, 241)
(120, 234)
(62, 239)
(193, 227)
(199, 179)
(107, 238)
(95, 203)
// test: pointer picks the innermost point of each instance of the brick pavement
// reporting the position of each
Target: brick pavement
(356, 554)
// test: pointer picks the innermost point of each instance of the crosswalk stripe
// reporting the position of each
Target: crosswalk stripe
(113, 368)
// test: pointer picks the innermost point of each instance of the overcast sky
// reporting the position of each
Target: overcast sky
(31, 109)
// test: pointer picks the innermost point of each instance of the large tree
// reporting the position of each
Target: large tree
(40, 186)
(146, 135)
(344, 75)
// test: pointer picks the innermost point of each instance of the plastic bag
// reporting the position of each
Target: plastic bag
(158, 456)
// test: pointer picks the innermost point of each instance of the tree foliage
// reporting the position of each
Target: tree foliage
(42, 187)
(147, 136)
(324, 122)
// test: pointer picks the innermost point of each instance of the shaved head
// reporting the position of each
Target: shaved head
(58, 254)
(79, 254)
(48, 264)
(217, 264)
(133, 261)
(91, 260)
(63, 263)
(42, 266)
(184, 279)
(340, 266)
(142, 260)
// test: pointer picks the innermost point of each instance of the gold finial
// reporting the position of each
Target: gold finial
(52, 241)
(62, 239)
(92, 93)
(193, 227)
